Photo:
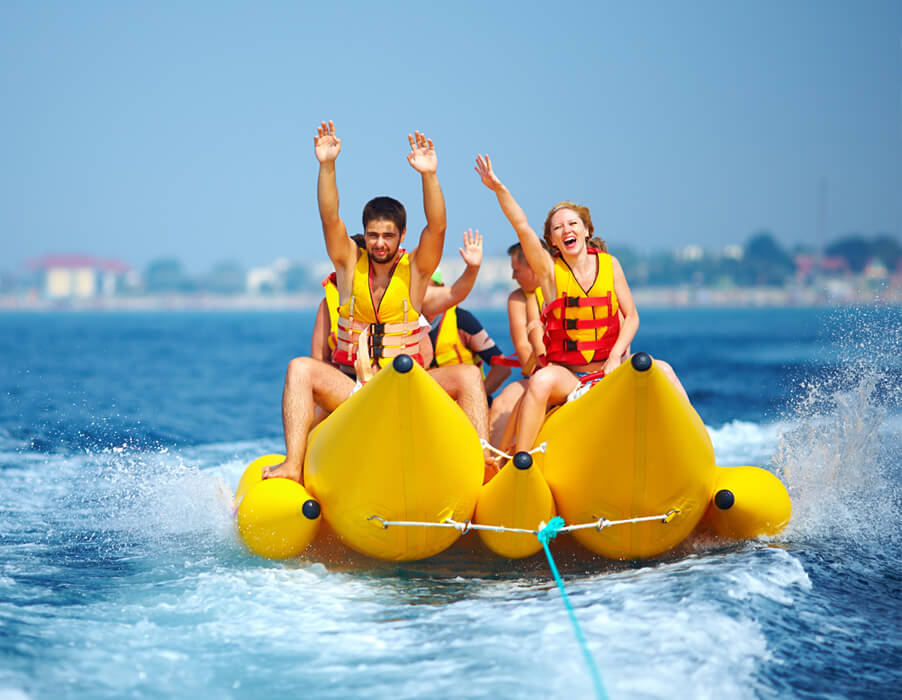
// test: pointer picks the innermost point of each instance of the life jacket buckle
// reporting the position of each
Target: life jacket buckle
(570, 324)
(570, 302)
(570, 345)
(375, 343)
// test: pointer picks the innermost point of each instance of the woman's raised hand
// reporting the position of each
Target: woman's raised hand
(422, 156)
(326, 144)
(486, 174)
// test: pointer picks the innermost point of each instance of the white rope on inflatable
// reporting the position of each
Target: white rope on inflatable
(602, 522)
(463, 527)
(599, 524)
(486, 445)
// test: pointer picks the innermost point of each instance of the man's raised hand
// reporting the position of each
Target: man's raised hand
(422, 154)
(472, 250)
(326, 144)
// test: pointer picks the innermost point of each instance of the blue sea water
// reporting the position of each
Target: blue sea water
(122, 436)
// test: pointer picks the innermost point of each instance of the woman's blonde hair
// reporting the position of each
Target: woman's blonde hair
(584, 215)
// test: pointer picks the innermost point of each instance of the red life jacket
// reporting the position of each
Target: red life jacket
(581, 326)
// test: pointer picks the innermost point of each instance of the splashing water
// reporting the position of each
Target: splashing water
(123, 500)
(841, 461)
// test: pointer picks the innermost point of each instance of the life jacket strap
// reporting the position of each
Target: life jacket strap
(571, 324)
(565, 302)
(381, 342)
(570, 345)
(505, 361)
(591, 377)
(350, 325)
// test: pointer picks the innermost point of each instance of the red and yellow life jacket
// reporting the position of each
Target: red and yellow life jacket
(330, 290)
(448, 348)
(535, 297)
(581, 326)
(394, 327)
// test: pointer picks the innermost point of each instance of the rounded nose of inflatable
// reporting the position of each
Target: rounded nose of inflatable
(278, 518)
(747, 502)
(253, 474)
(515, 498)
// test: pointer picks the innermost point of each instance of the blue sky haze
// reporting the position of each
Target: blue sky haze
(141, 129)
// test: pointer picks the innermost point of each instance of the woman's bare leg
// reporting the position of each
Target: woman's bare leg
(547, 387)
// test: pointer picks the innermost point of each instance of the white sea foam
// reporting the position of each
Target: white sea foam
(743, 442)
(774, 583)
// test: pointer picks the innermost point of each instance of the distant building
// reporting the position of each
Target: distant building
(79, 276)
(690, 253)
(829, 265)
(733, 252)
(263, 280)
(835, 264)
(287, 276)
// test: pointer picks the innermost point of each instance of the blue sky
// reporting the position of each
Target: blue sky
(145, 129)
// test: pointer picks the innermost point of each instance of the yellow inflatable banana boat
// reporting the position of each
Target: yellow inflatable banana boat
(629, 466)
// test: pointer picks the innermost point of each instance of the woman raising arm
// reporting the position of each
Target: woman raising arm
(590, 317)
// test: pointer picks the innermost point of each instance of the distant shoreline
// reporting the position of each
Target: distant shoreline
(645, 297)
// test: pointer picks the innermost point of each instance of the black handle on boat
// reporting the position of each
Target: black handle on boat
(522, 460)
(402, 364)
(641, 361)
(724, 499)
(311, 509)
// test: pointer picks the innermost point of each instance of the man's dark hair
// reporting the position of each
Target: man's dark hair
(387, 209)
(518, 249)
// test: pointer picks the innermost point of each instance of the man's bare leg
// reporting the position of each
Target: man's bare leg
(308, 383)
(501, 408)
(464, 384)
(671, 375)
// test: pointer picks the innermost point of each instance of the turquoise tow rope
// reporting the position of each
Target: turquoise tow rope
(547, 533)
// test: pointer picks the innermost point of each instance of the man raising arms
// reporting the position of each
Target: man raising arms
(381, 290)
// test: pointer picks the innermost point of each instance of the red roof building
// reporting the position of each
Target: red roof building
(79, 276)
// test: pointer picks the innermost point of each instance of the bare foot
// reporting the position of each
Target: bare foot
(283, 471)
(492, 466)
